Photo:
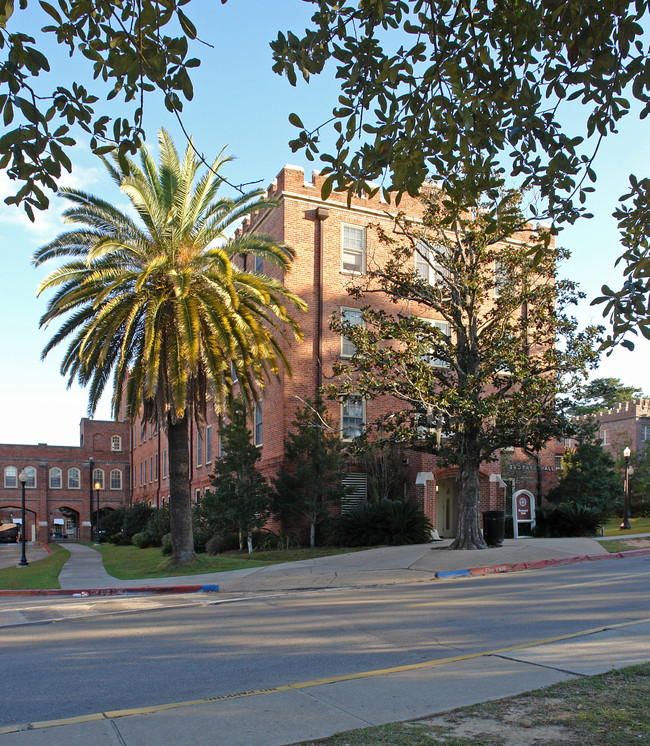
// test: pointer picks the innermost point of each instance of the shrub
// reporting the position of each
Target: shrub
(135, 519)
(111, 521)
(158, 525)
(568, 519)
(167, 545)
(120, 539)
(217, 543)
(391, 522)
(142, 540)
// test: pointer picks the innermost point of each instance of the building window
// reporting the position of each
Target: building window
(116, 479)
(143, 432)
(56, 478)
(258, 424)
(353, 317)
(199, 447)
(116, 443)
(11, 477)
(353, 248)
(98, 478)
(222, 449)
(353, 417)
(558, 462)
(208, 444)
(197, 496)
(141, 473)
(164, 463)
(74, 479)
(259, 265)
(500, 277)
(155, 467)
(30, 473)
(444, 329)
(604, 436)
(428, 262)
(645, 433)
(233, 372)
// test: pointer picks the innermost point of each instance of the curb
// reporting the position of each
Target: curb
(538, 564)
(111, 591)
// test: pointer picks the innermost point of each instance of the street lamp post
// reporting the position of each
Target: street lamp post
(23, 477)
(626, 502)
(98, 539)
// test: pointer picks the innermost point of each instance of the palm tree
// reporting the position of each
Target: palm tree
(159, 305)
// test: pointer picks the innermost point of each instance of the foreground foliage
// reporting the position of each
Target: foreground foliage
(159, 306)
(391, 522)
(455, 90)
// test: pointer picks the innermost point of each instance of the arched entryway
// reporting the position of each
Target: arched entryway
(13, 514)
(446, 507)
(64, 524)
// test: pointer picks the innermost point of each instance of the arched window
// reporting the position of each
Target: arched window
(116, 443)
(116, 479)
(98, 478)
(56, 478)
(74, 479)
(11, 476)
(30, 472)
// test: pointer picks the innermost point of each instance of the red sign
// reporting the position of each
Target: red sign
(523, 508)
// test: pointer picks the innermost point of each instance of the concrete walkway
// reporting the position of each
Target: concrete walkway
(10, 553)
(405, 564)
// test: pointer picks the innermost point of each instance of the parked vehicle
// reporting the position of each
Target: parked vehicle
(9, 533)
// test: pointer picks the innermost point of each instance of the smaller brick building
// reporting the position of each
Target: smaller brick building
(627, 424)
(60, 499)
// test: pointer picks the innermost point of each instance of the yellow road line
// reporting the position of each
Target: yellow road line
(108, 715)
(526, 591)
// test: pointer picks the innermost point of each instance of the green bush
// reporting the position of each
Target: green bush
(142, 540)
(120, 539)
(167, 545)
(568, 519)
(135, 519)
(392, 522)
(217, 544)
(158, 525)
(111, 521)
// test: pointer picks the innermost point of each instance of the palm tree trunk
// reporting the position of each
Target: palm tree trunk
(180, 501)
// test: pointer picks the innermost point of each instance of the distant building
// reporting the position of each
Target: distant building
(60, 498)
(627, 424)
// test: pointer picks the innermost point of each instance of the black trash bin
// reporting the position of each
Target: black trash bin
(494, 527)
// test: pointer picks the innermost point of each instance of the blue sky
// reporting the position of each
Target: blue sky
(240, 103)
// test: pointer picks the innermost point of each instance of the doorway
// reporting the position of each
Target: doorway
(446, 507)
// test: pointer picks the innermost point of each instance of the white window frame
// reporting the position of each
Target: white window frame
(258, 425)
(11, 474)
(427, 267)
(55, 471)
(353, 250)
(345, 414)
(31, 482)
(99, 476)
(604, 436)
(348, 348)
(74, 475)
(208, 444)
(445, 329)
(259, 265)
(116, 443)
(164, 464)
(645, 433)
(116, 484)
(199, 447)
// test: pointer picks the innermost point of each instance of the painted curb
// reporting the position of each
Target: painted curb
(538, 564)
(87, 592)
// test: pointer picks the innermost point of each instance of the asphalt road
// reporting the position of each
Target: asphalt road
(166, 653)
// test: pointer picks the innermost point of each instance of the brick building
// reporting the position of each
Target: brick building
(627, 424)
(60, 499)
(334, 243)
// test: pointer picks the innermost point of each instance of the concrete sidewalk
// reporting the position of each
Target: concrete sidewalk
(405, 564)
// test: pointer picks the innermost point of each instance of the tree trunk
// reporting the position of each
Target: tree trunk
(180, 501)
(312, 533)
(468, 532)
(249, 541)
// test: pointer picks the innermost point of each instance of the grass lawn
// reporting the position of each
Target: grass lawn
(606, 710)
(43, 573)
(128, 563)
(637, 526)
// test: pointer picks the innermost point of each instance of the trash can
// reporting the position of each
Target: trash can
(494, 527)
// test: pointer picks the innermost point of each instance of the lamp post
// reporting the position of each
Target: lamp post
(98, 540)
(23, 477)
(626, 502)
